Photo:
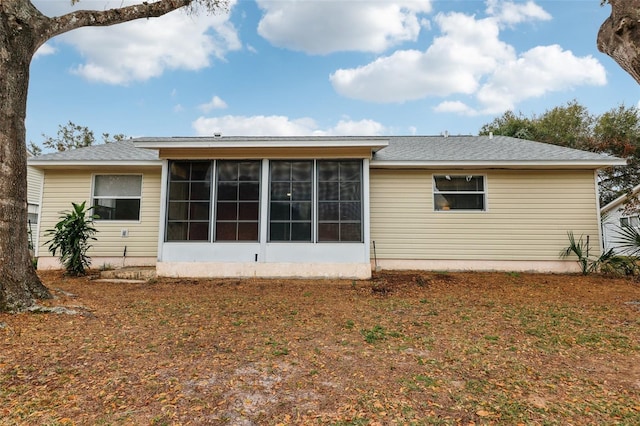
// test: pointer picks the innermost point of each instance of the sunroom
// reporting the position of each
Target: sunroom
(274, 207)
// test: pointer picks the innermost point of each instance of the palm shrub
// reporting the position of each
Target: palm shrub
(71, 237)
(580, 248)
(629, 240)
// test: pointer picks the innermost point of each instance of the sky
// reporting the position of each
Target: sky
(324, 67)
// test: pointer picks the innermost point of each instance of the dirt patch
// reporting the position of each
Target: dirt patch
(410, 347)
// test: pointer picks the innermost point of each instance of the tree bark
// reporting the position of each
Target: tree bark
(23, 29)
(19, 284)
(619, 35)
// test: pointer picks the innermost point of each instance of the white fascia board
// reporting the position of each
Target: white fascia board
(315, 143)
(574, 164)
(620, 200)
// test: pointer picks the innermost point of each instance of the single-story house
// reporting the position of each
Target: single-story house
(326, 206)
(615, 215)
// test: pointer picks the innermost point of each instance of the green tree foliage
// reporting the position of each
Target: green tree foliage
(72, 136)
(71, 237)
(615, 132)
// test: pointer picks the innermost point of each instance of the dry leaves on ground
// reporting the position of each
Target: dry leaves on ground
(403, 348)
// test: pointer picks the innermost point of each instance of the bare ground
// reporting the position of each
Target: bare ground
(403, 348)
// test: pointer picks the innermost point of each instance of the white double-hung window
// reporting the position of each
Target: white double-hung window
(117, 197)
(459, 192)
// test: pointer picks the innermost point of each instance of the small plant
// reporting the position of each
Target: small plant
(71, 237)
(106, 267)
(621, 266)
(581, 248)
(376, 334)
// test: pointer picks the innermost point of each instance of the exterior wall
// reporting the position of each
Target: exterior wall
(610, 227)
(528, 214)
(34, 185)
(62, 187)
(267, 259)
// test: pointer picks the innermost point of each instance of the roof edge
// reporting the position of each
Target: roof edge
(544, 164)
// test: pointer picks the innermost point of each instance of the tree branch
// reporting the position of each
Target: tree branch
(619, 35)
(91, 18)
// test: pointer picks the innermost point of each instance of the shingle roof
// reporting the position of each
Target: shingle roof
(121, 151)
(408, 149)
(478, 148)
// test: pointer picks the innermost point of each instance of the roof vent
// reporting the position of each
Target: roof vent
(446, 134)
(217, 135)
(490, 135)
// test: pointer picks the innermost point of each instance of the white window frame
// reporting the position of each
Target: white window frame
(631, 221)
(123, 197)
(483, 192)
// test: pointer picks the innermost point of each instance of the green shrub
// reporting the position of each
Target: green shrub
(580, 248)
(71, 238)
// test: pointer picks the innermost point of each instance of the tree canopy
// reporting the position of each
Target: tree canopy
(72, 136)
(615, 132)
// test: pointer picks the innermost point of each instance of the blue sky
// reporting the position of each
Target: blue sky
(324, 67)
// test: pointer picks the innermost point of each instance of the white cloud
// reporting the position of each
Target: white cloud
(277, 125)
(469, 58)
(143, 49)
(321, 26)
(214, 103)
(544, 69)
(45, 49)
(514, 13)
(454, 63)
(455, 107)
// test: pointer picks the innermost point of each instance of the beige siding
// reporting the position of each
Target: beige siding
(527, 218)
(61, 188)
(34, 185)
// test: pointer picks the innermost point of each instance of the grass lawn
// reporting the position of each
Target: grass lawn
(404, 348)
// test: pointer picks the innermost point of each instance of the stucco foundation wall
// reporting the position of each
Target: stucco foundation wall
(541, 266)
(50, 262)
(62, 187)
(263, 270)
(528, 214)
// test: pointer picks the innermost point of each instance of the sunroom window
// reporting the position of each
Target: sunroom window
(238, 200)
(117, 197)
(463, 192)
(189, 206)
(290, 200)
(339, 200)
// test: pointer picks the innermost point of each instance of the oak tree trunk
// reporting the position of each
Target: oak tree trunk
(19, 284)
(619, 35)
(23, 29)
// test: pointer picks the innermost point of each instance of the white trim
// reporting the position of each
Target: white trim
(366, 208)
(507, 164)
(36, 247)
(164, 205)
(129, 197)
(263, 225)
(321, 142)
(485, 193)
(598, 210)
(621, 199)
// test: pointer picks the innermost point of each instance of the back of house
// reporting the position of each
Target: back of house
(326, 206)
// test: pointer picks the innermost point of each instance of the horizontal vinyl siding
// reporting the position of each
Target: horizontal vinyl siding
(34, 185)
(527, 218)
(61, 188)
